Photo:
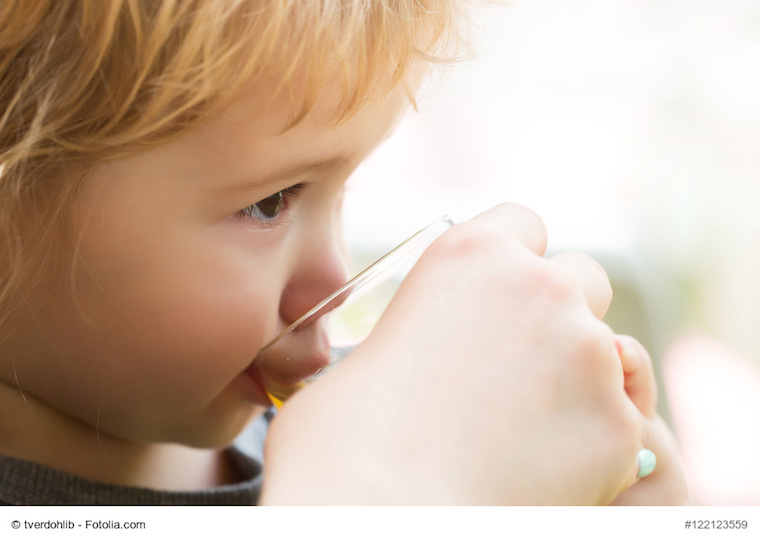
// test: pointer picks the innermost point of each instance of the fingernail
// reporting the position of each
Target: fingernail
(627, 352)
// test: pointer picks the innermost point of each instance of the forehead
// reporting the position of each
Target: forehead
(253, 133)
(245, 150)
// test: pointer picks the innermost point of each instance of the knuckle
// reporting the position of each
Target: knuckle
(601, 279)
(588, 271)
(526, 213)
(471, 242)
(645, 358)
(597, 355)
(468, 237)
(624, 424)
(512, 209)
(554, 285)
(590, 262)
(508, 223)
(594, 350)
(596, 342)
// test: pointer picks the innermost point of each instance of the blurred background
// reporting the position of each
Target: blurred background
(633, 128)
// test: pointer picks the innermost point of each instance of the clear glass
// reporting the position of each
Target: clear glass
(319, 340)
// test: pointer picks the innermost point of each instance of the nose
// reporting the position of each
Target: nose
(320, 268)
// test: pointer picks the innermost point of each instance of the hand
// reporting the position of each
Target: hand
(667, 484)
(489, 380)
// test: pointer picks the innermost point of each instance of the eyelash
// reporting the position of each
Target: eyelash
(281, 199)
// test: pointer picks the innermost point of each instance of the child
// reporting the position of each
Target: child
(171, 189)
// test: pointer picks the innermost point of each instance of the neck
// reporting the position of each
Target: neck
(34, 431)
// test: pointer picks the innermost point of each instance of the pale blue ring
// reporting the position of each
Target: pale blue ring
(647, 461)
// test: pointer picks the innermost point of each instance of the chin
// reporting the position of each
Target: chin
(213, 431)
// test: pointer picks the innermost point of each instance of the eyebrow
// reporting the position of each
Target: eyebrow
(283, 174)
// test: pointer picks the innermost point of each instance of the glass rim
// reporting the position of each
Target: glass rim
(378, 266)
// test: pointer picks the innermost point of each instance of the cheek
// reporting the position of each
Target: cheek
(162, 315)
(158, 348)
(181, 303)
(187, 336)
(214, 332)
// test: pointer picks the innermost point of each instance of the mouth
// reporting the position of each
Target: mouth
(280, 370)
(295, 356)
(270, 387)
(257, 386)
(288, 369)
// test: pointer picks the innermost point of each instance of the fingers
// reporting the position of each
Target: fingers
(526, 228)
(522, 223)
(666, 485)
(641, 388)
(591, 278)
(638, 372)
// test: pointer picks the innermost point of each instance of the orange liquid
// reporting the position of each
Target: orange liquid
(279, 394)
(276, 401)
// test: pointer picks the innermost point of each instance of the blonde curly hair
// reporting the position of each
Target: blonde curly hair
(83, 81)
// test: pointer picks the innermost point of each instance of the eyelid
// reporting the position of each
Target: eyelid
(292, 191)
(288, 194)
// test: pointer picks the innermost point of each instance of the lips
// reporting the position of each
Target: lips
(281, 377)
(295, 357)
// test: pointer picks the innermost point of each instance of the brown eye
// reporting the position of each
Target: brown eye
(270, 207)
(273, 208)
(266, 209)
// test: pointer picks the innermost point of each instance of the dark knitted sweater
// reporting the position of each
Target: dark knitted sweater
(25, 483)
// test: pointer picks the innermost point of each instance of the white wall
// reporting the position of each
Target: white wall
(632, 127)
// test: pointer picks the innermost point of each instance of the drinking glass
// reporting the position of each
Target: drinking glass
(318, 341)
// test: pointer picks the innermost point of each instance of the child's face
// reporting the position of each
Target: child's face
(177, 286)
